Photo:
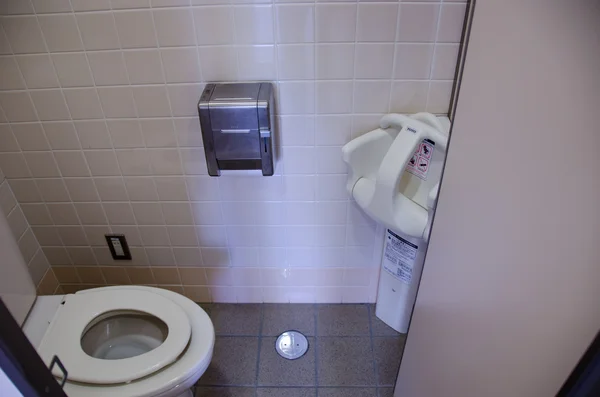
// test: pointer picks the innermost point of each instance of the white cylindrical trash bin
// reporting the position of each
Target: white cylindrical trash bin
(401, 267)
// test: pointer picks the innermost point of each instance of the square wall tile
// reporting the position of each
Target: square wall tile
(413, 61)
(117, 102)
(334, 97)
(374, 61)
(37, 70)
(98, 31)
(438, 100)
(174, 27)
(418, 22)
(17, 106)
(296, 61)
(30, 136)
(181, 65)
(134, 162)
(135, 28)
(53, 190)
(50, 105)
(61, 135)
(144, 66)
(409, 96)
(53, 6)
(371, 96)
(336, 22)
(377, 22)
(41, 164)
(13, 165)
(254, 24)
(72, 70)
(60, 32)
(295, 23)
(445, 60)
(81, 189)
(452, 18)
(71, 163)
(151, 101)
(102, 162)
(214, 25)
(158, 132)
(296, 97)
(111, 189)
(334, 61)
(108, 67)
(257, 62)
(24, 34)
(218, 63)
(83, 103)
(25, 190)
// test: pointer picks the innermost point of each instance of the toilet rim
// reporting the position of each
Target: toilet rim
(190, 365)
(80, 310)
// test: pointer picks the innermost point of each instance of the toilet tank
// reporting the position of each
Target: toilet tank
(17, 290)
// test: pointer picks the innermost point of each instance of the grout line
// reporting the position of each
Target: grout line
(316, 331)
(437, 30)
(260, 330)
(395, 54)
(375, 372)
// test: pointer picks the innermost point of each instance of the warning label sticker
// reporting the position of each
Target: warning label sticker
(399, 257)
(418, 164)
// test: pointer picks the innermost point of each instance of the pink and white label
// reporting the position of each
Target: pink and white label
(418, 164)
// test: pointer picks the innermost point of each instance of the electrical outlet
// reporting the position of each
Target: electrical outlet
(118, 246)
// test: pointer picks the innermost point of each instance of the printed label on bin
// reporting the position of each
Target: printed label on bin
(399, 257)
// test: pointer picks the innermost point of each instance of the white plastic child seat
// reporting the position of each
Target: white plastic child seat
(63, 337)
(377, 161)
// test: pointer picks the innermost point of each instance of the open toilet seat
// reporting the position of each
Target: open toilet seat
(63, 337)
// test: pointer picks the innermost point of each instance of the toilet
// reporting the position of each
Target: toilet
(123, 341)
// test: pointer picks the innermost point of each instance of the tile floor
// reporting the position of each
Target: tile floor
(351, 352)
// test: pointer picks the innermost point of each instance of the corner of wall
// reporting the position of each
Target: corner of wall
(32, 253)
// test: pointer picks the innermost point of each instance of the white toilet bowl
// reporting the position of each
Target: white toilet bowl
(123, 341)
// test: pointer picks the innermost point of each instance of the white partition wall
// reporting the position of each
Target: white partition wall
(509, 298)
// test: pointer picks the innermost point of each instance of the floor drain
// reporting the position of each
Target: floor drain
(291, 345)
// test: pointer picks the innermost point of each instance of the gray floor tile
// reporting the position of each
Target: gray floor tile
(388, 351)
(278, 318)
(345, 361)
(233, 362)
(224, 392)
(274, 370)
(347, 392)
(286, 392)
(386, 392)
(342, 320)
(235, 319)
(379, 327)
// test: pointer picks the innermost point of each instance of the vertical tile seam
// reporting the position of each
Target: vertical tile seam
(435, 39)
(112, 148)
(375, 372)
(183, 174)
(140, 130)
(395, 53)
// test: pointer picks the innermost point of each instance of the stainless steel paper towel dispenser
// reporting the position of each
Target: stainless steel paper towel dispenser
(238, 122)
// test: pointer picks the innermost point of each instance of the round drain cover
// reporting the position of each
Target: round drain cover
(291, 345)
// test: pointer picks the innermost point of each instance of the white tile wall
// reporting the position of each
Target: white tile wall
(99, 133)
(26, 239)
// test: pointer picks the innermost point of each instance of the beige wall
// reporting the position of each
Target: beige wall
(509, 296)
(99, 133)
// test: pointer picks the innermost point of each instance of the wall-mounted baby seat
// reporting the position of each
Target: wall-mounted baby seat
(395, 170)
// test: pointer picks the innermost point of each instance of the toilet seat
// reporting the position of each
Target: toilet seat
(63, 337)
